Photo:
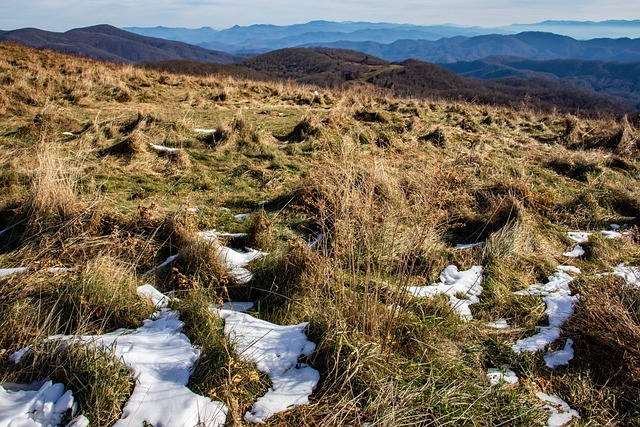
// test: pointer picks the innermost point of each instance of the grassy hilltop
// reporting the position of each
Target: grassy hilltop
(392, 183)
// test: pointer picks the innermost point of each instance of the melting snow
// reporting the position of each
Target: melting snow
(553, 359)
(10, 271)
(275, 351)
(577, 251)
(495, 375)
(579, 236)
(157, 298)
(235, 261)
(160, 358)
(499, 324)
(198, 130)
(315, 241)
(561, 412)
(163, 148)
(455, 283)
(68, 133)
(468, 245)
(242, 217)
(165, 263)
(631, 275)
(611, 234)
(582, 237)
(556, 294)
(37, 404)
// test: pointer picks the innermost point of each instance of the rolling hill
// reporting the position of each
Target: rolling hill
(109, 43)
(335, 67)
(618, 79)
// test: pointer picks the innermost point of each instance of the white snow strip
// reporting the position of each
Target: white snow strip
(60, 269)
(630, 274)
(160, 359)
(242, 217)
(10, 271)
(455, 283)
(17, 356)
(468, 245)
(235, 261)
(553, 359)
(561, 412)
(68, 133)
(198, 130)
(576, 252)
(210, 234)
(495, 375)
(579, 236)
(569, 268)
(315, 241)
(499, 324)
(275, 351)
(165, 263)
(37, 404)
(614, 226)
(556, 294)
(157, 298)
(234, 306)
(163, 148)
(611, 234)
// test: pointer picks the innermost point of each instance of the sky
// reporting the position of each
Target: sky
(62, 15)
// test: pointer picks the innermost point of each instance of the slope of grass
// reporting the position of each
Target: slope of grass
(392, 184)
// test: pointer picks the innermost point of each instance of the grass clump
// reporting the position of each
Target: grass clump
(100, 384)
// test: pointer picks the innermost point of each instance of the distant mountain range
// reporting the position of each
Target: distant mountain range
(113, 44)
(530, 45)
(263, 38)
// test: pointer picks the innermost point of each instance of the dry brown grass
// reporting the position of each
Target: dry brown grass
(393, 190)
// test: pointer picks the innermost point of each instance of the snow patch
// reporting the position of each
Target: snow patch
(455, 283)
(235, 261)
(576, 252)
(275, 350)
(561, 412)
(37, 404)
(553, 359)
(242, 217)
(234, 306)
(157, 298)
(168, 261)
(315, 241)
(468, 245)
(10, 271)
(556, 294)
(611, 234)
(198, 130)
(499, 324)
(579, 236)
(160, 358)
(495, 375)
(630, 274)
(163, 148)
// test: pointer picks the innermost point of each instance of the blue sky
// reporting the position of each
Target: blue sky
(60, 15)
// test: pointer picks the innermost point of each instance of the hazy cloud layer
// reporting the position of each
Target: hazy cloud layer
(59, 15)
